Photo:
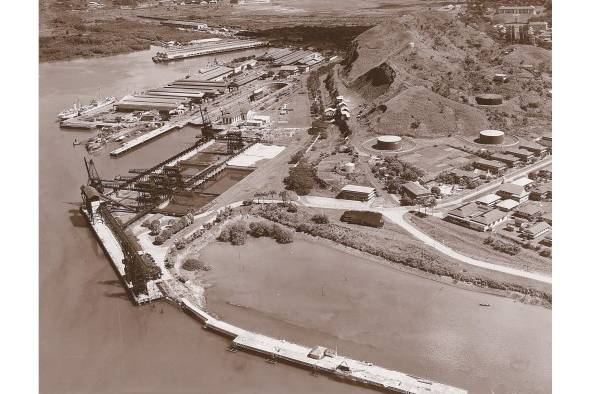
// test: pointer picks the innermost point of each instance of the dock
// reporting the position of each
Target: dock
(320, 359)
(208, 48)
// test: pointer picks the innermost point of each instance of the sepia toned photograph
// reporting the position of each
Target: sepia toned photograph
(296, 196)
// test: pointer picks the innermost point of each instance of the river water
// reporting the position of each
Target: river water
(92, 339)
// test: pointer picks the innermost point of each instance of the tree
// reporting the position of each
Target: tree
(429, 202)
(288, 196)
(301, 179)
(436, 190)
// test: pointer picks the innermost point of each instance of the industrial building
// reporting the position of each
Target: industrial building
(513, 192)
(536, 230)
(389, 142)
(142, 102)
(363, 218)
(493, 137)
(414, 191)
(233, 116)
(522, 154)
(492, 166)
(206, 48)
(217, 73)
(509, 160)
(245, 79)
(507, 205)
(536, 149)
(530, 211)
(528, 9)
(488, 200)
(357, 193)
(477, 217)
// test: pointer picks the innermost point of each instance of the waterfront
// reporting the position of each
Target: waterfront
(93, 340)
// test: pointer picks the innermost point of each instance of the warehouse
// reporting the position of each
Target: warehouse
(513, 192)
(218, 73)
(414, 191)
(526, 9)
(536, 230)
(357, 193)
(530, 211)
(245, 79)
(522, 154)
(233, 116)
(488, 200)
(537, 149)
(146, 103)
(494, 167)
(363, 218)
(510, 161)
(487, 221)
(507, 205)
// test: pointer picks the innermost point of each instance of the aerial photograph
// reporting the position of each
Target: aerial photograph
(295, 196)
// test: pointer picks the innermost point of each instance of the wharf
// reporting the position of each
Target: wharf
(345, 368)
(207, 49)
(150, 135)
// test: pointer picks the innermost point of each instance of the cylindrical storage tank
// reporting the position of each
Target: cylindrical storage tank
(389, 142)
(492, 137)
(349, 167)
(489, 99)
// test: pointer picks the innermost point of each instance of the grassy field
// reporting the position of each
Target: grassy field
(470, 243)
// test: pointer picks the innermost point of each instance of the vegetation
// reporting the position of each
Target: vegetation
(235, 233)
(395, 173)
(193, 264)
(505, 247)
(301, 179)
(75, 37)
(320, 218)
(356, 239)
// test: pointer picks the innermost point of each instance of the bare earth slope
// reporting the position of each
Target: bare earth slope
(419, 74)
(420, 112)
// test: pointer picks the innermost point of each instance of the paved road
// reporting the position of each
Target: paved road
(396, 215)
(489, 186)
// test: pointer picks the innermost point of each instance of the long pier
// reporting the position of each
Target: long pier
(320, 359)
(207, 49)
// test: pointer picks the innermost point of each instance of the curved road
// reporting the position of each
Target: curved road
(396, 215)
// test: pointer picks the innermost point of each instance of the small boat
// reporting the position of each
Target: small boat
(76, 142)
(484, 304)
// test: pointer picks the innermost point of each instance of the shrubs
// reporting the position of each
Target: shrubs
(234, 233)
(505, 247)
(193, 264)
(320, 218)
(546, 253)
(265, 229)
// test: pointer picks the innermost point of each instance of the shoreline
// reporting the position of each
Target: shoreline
(512, 294)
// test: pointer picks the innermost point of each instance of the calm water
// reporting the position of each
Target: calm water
(92, 340)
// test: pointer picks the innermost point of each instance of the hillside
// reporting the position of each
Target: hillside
(426, 68)
(420, 112)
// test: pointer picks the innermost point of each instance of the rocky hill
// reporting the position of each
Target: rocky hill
(425, 68)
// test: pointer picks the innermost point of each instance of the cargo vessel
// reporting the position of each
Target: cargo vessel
(78, 110)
